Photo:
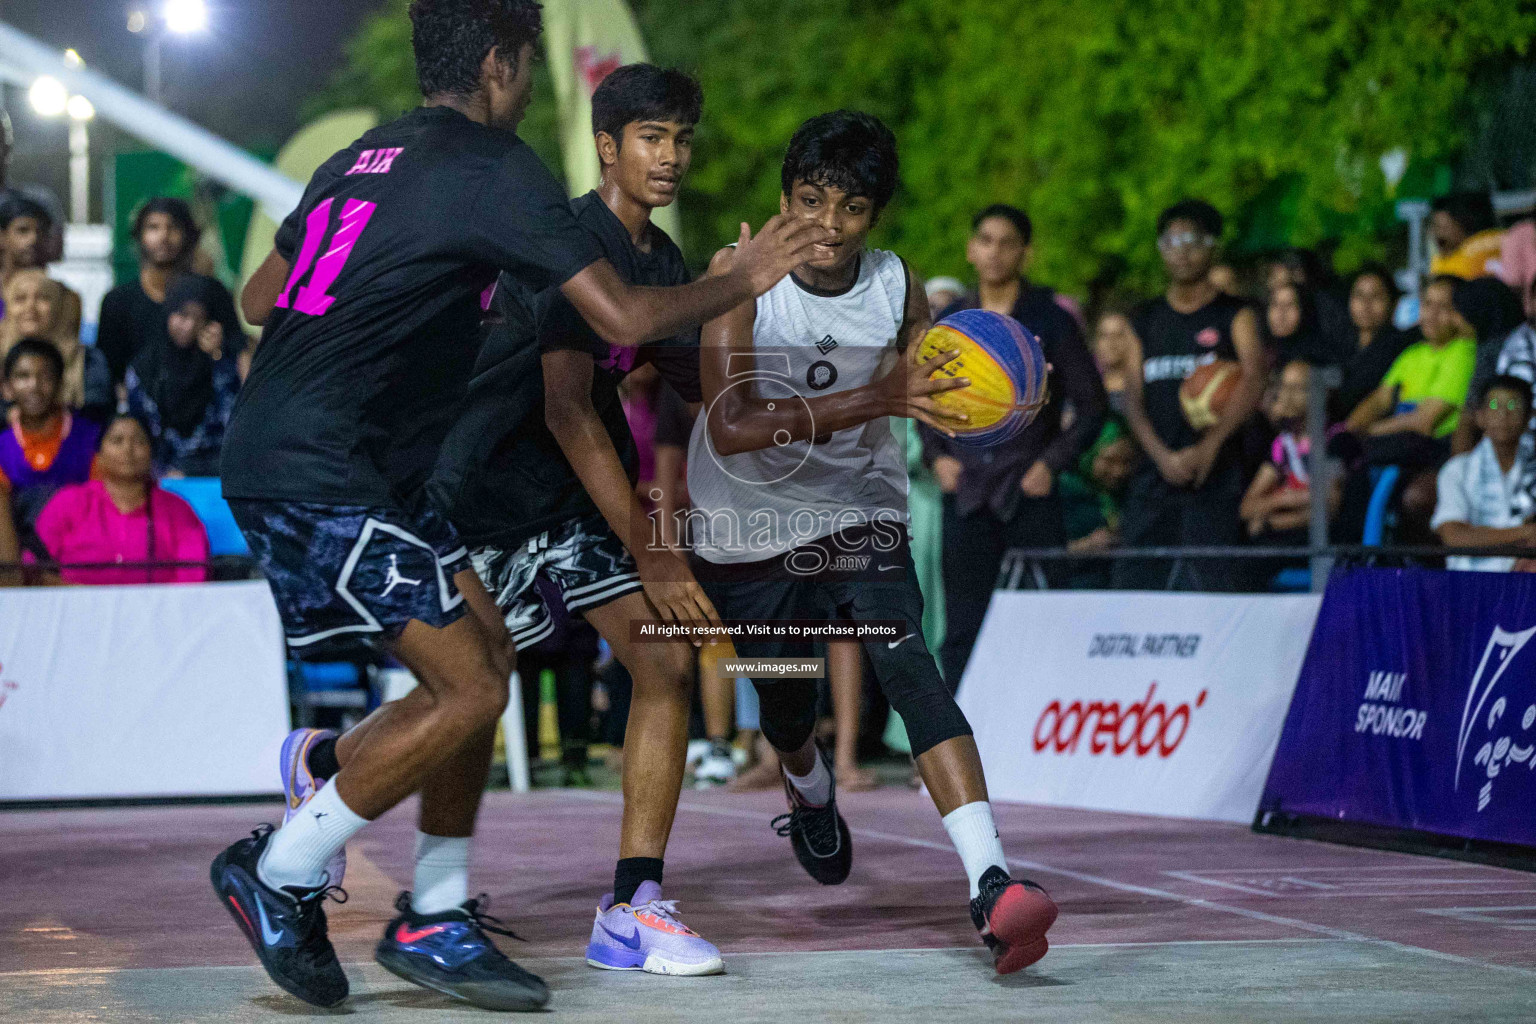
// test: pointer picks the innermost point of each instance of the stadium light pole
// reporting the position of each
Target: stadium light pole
(175, 17)
(50, 98)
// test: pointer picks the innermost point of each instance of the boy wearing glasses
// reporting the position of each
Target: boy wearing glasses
(1189, 484)
(1475, 504)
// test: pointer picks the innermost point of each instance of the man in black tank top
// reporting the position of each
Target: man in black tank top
(1189, 484)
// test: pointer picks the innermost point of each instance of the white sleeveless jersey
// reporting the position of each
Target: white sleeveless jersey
(755, 505)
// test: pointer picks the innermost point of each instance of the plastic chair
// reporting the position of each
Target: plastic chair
(1292, 581)
(206, 496)
(1381, 501)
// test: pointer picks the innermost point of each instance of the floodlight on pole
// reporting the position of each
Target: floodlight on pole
(48, 96)
(80, 109)
(185, 17)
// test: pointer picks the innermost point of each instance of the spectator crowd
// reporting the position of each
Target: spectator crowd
(1174, 421)
(91, 429)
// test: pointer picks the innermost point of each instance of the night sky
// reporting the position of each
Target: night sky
(246, 79)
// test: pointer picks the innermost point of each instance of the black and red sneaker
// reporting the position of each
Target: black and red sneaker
(1012, 916)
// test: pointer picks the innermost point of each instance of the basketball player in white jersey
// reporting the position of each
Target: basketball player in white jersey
(799, 490)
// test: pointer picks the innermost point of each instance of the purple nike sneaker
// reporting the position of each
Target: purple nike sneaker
(299, 786)
(646, 935)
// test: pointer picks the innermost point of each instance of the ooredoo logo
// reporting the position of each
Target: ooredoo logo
(1208, 338)
(1143, 727)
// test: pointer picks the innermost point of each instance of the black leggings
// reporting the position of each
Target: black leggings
(908, 675)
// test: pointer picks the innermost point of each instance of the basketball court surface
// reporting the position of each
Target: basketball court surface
(1161, 920)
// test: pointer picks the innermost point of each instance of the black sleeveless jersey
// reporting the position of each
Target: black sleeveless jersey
(1173, 346)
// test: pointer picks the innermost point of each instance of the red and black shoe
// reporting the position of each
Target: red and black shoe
(1012, 916)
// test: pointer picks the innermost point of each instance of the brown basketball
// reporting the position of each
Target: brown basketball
(1206, 393)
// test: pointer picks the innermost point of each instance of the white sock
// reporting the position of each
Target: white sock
(299, 851)
(975, 836)
(442, 874)
(815, 788)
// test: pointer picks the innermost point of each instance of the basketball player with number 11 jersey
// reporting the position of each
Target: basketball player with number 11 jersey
(371, 302)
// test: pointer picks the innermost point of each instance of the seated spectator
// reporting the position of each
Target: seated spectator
(1466, 234)
(1518, 359)
(1114, 350)
(34, 305)
(184, 382)
(1309, 272)
(26, 230)
(1373, 296)
(1488, 311)
(1410, 417)
(1423, 391)
(123, 516)
(1475, 506)
(1277, 507)
(46, 447)
(1293, 328)
(1091, 494)
(133, 314)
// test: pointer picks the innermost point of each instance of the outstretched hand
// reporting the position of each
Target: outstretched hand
(784, 243)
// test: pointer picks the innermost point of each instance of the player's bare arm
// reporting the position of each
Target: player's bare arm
(571, 417)
(629, 315)
(740, 422)
(259, 296)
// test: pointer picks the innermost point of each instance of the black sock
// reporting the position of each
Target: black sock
(321, 759)
(630, 872)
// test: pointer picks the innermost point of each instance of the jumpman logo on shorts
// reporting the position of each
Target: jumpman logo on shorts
(393, 578)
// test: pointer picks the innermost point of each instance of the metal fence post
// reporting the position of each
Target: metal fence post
(1319, 469)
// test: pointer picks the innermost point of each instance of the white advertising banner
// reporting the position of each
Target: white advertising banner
(120, 692)
(1150, 703)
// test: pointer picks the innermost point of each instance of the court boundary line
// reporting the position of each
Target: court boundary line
(1329, 931)
(80, 972)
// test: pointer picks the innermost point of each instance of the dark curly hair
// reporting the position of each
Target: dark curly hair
(645, 92)
(179, 211)
(42, 348)
(1197, 211)
(452, 37)
(847, 150)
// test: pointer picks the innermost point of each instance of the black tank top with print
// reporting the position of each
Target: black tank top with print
(1173, 346)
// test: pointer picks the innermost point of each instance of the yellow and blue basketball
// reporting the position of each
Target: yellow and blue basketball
(1006, 367)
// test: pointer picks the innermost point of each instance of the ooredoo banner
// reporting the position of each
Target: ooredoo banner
(1151, 703)
(1416, 707)
(112, 692)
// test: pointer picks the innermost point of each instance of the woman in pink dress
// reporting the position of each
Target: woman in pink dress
(123, 516)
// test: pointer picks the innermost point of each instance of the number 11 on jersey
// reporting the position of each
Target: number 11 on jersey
(314, 298)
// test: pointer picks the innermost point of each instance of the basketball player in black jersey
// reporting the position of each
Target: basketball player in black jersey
(371, 303)
(1189, 484)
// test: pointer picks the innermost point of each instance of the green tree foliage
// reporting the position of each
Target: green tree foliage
(378, 71)
(1092, 114)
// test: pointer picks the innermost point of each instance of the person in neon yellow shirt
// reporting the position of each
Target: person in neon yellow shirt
(1426, 386)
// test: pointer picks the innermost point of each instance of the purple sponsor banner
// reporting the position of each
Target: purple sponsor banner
(1416, 706)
